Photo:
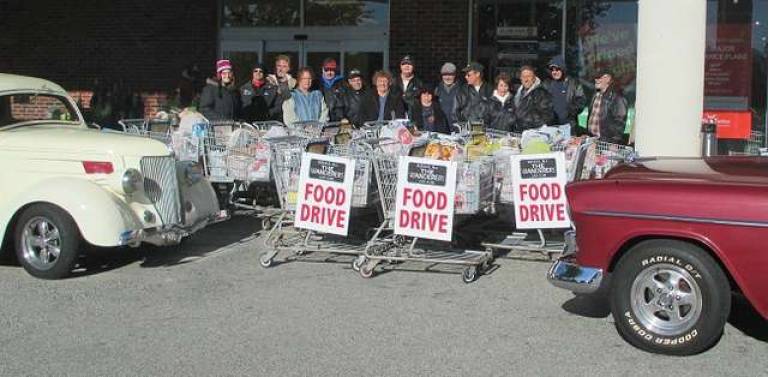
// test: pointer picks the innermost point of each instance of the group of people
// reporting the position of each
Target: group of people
(555, 100)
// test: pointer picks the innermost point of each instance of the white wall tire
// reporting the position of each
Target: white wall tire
(670, 297)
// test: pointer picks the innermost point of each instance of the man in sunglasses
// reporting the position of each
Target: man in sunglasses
(568, 98)
(256, 95)
(329, 84)
(472, 99)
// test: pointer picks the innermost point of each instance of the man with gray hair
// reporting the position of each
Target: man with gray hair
(446, 92)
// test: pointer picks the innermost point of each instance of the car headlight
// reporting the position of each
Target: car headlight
(193, 173)
(132, 181)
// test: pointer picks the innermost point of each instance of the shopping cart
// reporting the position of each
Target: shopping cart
(586, 158)
(384, 245)
(300, 243)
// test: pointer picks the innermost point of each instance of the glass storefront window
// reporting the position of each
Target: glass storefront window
(366, 62)
(346, 13)
(266, 13)
(735, 81)
(284, 13)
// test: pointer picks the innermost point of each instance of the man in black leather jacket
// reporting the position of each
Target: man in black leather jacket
(533, 103)
(406, 84)
(351, 99)
(472, 99)
(608, 110)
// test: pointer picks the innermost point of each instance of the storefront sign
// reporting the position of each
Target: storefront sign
(730, 124)
(426, 191)
(539, 186)
(728, 66)
(517, 31)
(325, 193)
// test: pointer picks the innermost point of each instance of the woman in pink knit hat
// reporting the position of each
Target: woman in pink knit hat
(220, 99)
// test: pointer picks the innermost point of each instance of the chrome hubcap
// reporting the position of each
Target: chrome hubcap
(41, 243)
(666, 299)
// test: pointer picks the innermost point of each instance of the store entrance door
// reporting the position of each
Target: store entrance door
(362, 55)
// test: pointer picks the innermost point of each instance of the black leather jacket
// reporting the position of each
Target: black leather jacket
(408, 94)
(472, 104)
(613, 116)
(350, 105)
(501, 116)
(574, 96)
(534, 110)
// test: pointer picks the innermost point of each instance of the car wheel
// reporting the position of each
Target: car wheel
(670, 297)
(47, 241)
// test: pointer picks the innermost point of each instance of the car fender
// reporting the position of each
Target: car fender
(750, 287)
(100, 215)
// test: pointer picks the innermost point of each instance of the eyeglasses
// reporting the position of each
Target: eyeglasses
(329, 69)
(553, 69)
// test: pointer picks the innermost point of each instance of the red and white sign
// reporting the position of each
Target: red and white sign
(325, 193)
(539, 185)
(731, 124)
(426, 190)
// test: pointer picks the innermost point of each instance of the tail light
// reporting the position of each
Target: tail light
(98, 167)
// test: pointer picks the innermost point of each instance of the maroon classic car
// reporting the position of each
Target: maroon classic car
(676, 237)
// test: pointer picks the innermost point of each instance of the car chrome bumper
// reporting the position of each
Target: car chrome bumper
(578, 279)
(171, 235)
(567, 274)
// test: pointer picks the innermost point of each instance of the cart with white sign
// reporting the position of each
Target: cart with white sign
(417, 198)
(317, 192)
(535, 184)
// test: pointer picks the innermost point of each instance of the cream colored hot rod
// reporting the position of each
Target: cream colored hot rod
(63, 184)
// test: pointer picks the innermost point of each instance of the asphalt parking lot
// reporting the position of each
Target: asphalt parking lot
(206, 308)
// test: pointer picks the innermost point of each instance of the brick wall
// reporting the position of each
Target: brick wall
(140, 45)
(432, 31)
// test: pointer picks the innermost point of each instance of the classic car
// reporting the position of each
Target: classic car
(65, 184)
(671, 240)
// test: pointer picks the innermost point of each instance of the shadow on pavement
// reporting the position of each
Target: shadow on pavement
(595, 305)
(208, 241)
(745, 318)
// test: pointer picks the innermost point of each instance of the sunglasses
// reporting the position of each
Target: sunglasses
(329, 69)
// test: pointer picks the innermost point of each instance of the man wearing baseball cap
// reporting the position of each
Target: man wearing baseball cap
(329, 84)
(406, 84)
(608, 109)
(471, 101)
(220, 99)
(351, 99)
(446, 92)
(256, 96)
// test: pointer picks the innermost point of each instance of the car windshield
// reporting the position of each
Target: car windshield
(31, 108)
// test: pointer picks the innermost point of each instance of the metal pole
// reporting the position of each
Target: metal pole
(765, 128)
(563, 29)
(470, 19)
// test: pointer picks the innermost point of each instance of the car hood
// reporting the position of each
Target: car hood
(724, 169)
(78, 138)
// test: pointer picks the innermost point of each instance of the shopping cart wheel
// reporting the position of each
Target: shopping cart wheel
(366, 271)
(469, 274)
(357, 262)
(265, 260)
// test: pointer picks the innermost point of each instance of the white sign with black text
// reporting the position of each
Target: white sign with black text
(539, 185)
(426, 191)
(325, 193)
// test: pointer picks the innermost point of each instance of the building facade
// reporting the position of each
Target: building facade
(143, 46)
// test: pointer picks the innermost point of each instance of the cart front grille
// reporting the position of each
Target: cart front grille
(162, 187)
